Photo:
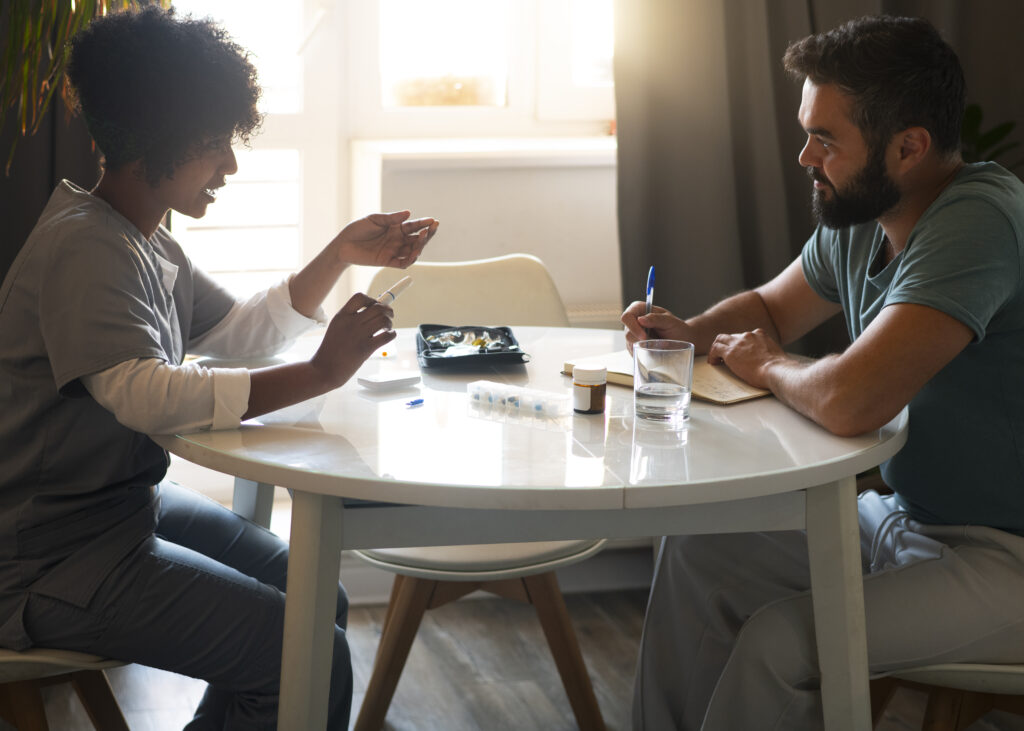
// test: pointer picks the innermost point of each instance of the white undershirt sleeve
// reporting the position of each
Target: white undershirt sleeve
(261, 326)
(152, 397)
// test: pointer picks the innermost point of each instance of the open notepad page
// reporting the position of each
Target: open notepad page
(710, 382)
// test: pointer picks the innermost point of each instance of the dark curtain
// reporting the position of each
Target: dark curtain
(709, 188)
(60, 149)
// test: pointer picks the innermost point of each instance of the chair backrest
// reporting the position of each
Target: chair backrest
(515, 289)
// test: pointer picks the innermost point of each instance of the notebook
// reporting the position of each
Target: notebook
(714, 383)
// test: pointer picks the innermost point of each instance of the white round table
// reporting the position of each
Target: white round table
(370, 471)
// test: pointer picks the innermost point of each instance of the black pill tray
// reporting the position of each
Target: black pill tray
(497, 346)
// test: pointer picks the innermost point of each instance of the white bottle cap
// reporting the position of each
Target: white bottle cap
(589, 375)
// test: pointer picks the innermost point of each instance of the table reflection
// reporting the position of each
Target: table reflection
(659, 453)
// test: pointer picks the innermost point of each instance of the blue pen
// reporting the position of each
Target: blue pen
(414, 402)
(650, 293)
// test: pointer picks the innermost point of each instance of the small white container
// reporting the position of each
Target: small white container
(589, 384)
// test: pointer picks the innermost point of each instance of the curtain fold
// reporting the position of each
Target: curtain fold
(674, 167)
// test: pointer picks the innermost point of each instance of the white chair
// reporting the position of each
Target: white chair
(958, 693)
(507, 290)
(427, 578)
(515, 289)
(23, 674)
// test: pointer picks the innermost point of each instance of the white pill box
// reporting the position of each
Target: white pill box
(497, 399)
(389, 381)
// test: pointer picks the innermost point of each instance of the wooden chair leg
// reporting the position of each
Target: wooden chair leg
(974, 706)
(24, 702)
(968, 706)
(943, 710)
(97, 698)
(1008, 703)
(396, 587)
(546, 597)
(405, 612)
(882, 691)
(6, 711)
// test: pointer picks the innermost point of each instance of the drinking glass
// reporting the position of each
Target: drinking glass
(662, 379)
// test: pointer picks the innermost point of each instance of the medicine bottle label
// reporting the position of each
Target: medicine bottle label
(588, 399)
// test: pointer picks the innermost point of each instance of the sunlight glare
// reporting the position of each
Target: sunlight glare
(593, 42)
(445, 52)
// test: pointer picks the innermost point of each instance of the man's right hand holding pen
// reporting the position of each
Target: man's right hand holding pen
(659, 323)
(644, 321)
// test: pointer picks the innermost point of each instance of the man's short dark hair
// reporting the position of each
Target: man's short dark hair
(158, 88)
(899, 72)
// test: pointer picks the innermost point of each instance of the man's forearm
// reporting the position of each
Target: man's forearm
(829, 393)
(740, 313)
(866, 385)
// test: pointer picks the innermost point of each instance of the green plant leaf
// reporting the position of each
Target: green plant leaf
(994, 136)
(971, 128)
(33, 37)
(1002, 150)
(1016, 165)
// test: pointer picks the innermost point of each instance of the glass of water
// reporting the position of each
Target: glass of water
(662, 379)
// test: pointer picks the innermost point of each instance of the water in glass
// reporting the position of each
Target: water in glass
(663, 402)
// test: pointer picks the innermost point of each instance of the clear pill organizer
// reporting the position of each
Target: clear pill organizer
(490, 398)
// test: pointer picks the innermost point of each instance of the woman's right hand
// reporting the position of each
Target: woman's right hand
(359, 328)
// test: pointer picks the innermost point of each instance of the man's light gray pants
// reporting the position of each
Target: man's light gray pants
(728, 642)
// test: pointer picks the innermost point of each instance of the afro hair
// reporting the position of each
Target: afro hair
(158, 88)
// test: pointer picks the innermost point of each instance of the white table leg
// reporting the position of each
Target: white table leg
(314, 560)
(253, 500)
(837, 592)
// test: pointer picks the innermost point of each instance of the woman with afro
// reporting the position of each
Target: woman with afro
(98, 553)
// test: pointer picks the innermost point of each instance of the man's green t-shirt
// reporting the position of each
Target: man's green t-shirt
(964, 460)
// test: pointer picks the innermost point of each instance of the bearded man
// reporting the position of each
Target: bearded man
(923, 255)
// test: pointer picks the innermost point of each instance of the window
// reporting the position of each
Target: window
(593, 43)
(273, 47)
(577, 82)
(334, 71)
(252, 236)
(489, 68)
(467, 64)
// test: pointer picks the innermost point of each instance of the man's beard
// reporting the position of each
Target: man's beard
(868, 196)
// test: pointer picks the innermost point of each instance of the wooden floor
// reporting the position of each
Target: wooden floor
(479, 665)
(462, 672)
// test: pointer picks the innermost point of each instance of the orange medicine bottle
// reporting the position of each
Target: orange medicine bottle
(589, 383)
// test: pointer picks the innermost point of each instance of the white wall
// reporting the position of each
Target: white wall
(555, 199)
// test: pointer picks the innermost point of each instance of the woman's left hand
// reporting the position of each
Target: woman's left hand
(385, 239)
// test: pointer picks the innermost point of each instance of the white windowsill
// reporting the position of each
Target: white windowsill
(490, 152)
